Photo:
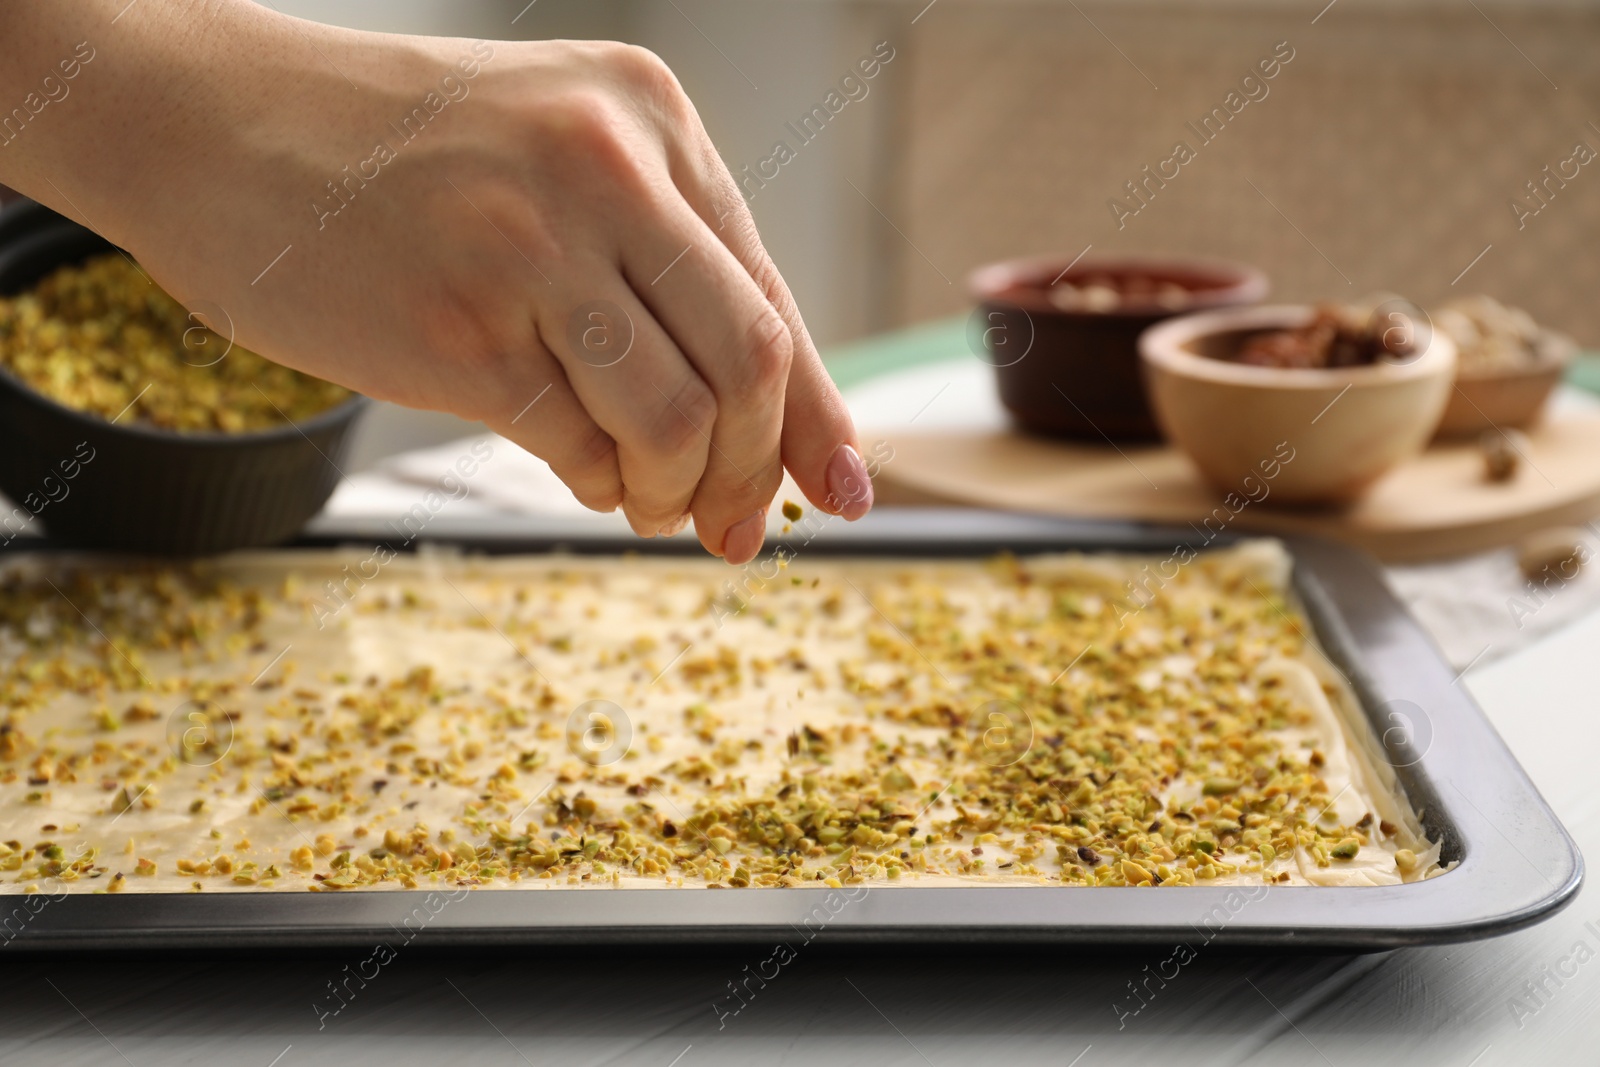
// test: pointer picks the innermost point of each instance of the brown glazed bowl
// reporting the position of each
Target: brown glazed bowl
(1075, 373)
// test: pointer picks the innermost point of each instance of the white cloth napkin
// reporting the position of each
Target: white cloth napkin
(1479, 608)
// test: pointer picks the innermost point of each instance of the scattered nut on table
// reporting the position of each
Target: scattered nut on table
(1560, 553)
(1502, 453)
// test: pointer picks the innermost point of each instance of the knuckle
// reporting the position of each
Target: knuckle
(765, 274)
(638, 62)
(766, 355)
(588, 121)
(585, 114)
(684, 424)
(649, 510)
(603, 502)
(590, 458)
(644, 520)
(698, 405)
(649, 73)
(589, 468)
(730, 495)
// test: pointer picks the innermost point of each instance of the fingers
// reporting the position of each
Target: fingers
(638, 388)
(742, 349)
(818, 442)
(689, 353)
(546, 418)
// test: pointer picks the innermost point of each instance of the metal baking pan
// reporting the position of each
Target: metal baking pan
(1515, 863)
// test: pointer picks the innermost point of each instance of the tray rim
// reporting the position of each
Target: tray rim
(1497, 887)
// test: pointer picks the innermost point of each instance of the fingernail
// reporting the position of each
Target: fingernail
(743, 539)
(849, 486)
(676, 526)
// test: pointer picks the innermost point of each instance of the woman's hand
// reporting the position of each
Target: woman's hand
(536, 235)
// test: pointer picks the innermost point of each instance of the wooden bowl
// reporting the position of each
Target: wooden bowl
(1075, 373)
(1507, 399)
(1280, 436)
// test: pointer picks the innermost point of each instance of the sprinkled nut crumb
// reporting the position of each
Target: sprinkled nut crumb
(875, 721)
(1345, 849)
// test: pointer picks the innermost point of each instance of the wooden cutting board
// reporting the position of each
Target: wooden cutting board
(1437, 505)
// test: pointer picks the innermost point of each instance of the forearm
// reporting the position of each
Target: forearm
(120, 115)
(75, 80)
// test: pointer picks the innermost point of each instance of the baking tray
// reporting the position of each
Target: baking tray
(1515, 863)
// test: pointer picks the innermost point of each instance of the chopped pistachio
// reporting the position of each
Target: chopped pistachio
(100, 337)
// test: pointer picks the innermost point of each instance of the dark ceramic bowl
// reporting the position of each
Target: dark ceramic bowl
(1075, 372)
(126, 487)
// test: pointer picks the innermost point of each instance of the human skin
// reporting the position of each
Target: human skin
(559, 199)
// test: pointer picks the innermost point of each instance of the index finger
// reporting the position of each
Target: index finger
(742, 349)
(819, 443)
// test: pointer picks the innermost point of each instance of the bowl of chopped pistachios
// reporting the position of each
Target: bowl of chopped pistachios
(129, 422)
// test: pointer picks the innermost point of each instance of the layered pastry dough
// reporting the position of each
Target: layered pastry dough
(362, 720)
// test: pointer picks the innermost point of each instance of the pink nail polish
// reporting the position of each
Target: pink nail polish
(849, 487)
(743, 539)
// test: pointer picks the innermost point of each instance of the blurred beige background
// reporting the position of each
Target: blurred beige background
(1394, 140)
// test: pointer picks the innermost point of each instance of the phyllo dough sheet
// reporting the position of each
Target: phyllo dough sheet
(348, 720)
